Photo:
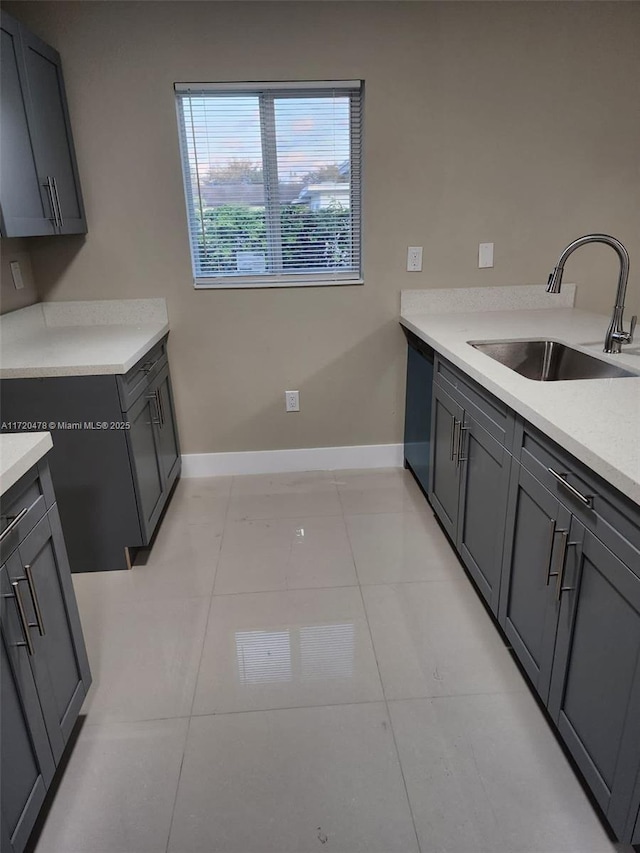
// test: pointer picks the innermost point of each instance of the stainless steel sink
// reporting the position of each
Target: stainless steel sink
(549, 361)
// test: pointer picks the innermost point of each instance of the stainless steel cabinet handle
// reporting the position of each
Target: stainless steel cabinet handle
(452, 439)
(552, 537)
(461, 458)
(14, 523)
(23, 618)
(154, 397)
(54, 212)
(560, 588)
(160, 406)
(55, 192)
(586, 499)
(34, 598)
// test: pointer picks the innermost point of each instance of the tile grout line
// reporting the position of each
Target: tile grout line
(393, 734)
(197, 676)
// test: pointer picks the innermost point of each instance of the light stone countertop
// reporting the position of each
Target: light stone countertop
(19, 452)
(596, 420)
(79, 338)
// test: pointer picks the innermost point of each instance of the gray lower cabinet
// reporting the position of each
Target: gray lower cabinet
(59, 660)
(536, 525)
(144, 417)
(26, 761)
(485, 465)
(39, 184)
(555, 551)
(469, 487)
(115, 457)
(444, 486)
(44, 669)
(153, 443)
(595, 684)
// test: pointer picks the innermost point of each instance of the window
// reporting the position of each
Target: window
(272, 182)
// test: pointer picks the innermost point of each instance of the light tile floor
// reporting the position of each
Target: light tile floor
(300, 664)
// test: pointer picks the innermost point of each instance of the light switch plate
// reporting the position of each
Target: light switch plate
(485, 255)
(16, 274)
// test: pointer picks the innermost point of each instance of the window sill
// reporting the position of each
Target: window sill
(204, 284)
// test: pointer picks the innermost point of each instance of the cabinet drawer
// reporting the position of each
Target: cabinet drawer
(132, 384)
(492, 414)
(23, 505)
(600, 507)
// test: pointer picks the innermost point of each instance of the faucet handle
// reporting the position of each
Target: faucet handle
(632, 328)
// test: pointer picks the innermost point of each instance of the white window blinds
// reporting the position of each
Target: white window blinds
(272, 176)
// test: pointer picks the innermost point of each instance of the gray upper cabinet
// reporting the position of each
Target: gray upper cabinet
(25, 208)
(40, 188)
(595, 687)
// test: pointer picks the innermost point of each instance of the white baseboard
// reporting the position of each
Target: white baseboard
(283, 461)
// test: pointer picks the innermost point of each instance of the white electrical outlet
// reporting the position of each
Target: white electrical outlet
(292, 401)
(16, 274)
(414, 259)
(485, 255)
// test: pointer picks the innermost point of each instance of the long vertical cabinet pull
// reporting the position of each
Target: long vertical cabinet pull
(58, 205)
(160, 406)
(54, 211)
(462, 430)
(565, 544)
(24, 622)
(34, 599)
(552, 538)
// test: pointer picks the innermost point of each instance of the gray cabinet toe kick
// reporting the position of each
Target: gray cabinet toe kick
(555, 552)
(115, 457)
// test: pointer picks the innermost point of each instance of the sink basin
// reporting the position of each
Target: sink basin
(549, 361)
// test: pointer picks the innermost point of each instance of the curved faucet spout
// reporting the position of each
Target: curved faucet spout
(616, 336)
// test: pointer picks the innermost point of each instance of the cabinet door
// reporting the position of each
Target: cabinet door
(536, 530)
(444, 490)
(25, 205)
(484, 490)
(59, 663)
(144, 444)
(167, 431)
(26, 761)
(51, 131)
(595, 691)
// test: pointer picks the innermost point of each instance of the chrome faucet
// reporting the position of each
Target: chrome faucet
(616, 335)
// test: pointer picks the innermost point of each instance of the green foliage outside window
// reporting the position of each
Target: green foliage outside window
(314, 239)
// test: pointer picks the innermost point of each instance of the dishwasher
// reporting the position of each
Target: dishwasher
(417, 415)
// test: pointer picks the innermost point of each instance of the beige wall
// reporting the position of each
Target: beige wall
(517, 123)
(10, 298)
